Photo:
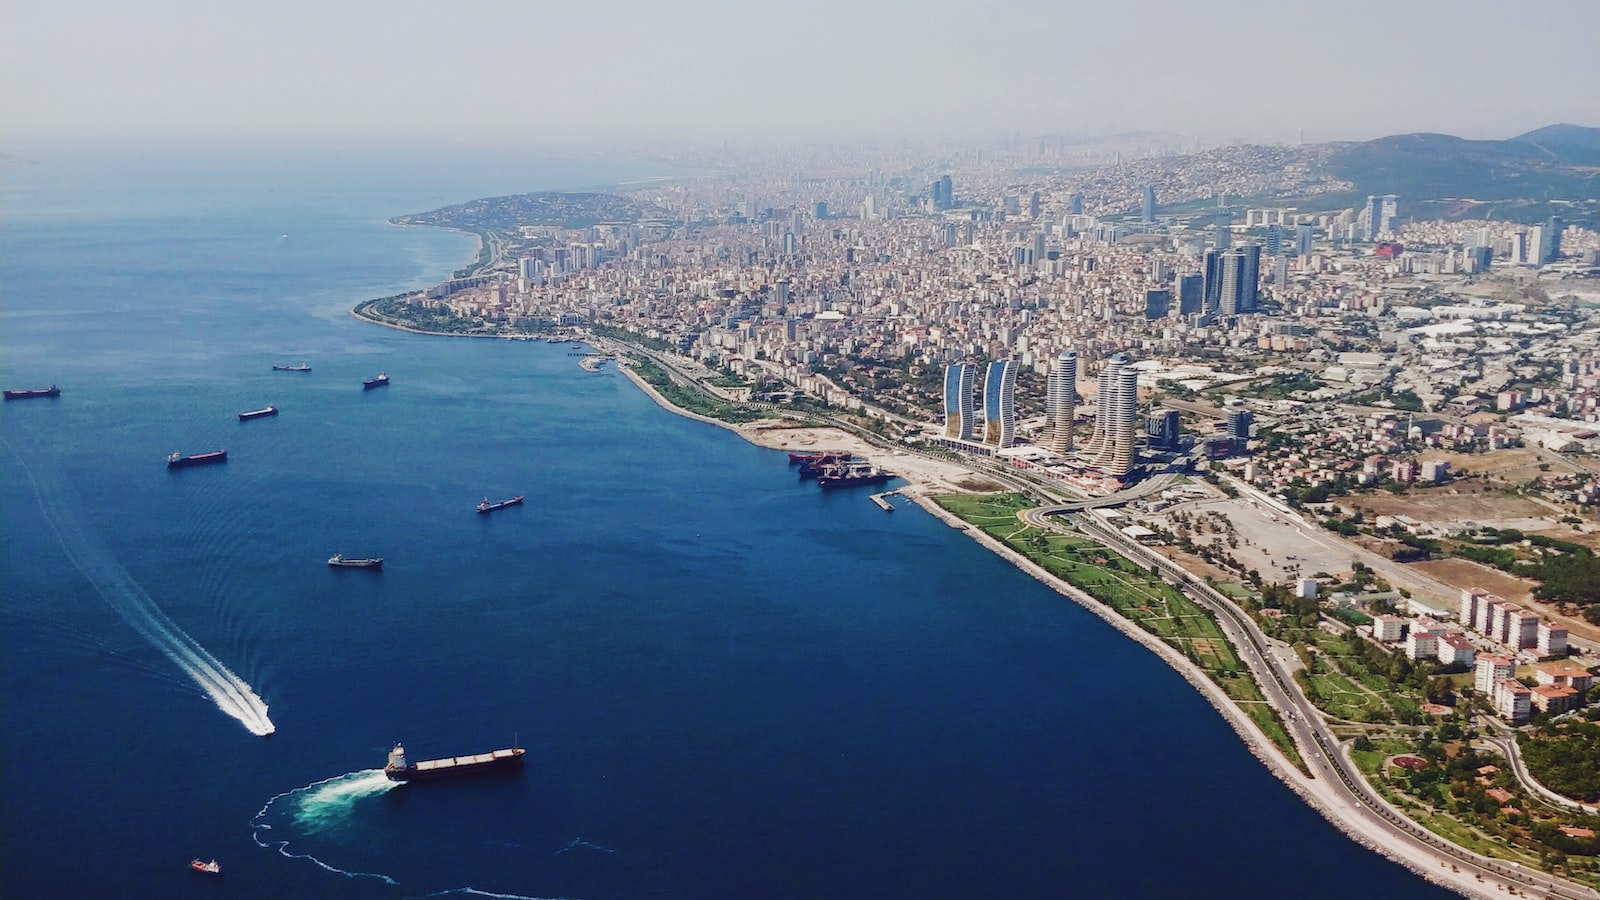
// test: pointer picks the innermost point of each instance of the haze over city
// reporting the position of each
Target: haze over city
(303, 72)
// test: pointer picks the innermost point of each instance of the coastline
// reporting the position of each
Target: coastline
(920, 487)
(1259, 746)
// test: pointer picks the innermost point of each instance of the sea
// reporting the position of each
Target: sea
(728, 683)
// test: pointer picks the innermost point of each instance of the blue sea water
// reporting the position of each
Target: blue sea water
(729, 683)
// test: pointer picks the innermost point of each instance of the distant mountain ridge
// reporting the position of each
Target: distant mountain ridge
(1563, 135)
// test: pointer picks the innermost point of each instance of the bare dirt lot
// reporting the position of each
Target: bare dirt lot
(1447, 504)
(1464, 574)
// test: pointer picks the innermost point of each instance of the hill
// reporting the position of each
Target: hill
(1441, 176)
(558, 208)
(1563, 136)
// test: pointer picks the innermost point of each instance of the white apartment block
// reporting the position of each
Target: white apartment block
(1552, 640)
(1490, 671)
(1387, 628)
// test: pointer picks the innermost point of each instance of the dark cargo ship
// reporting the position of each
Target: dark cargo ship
(258, 413)
(487, 507)
(340, 561)
(51, 391)
(381, 381)
(178, 461)
(820, 464)
(852, 476)
(452, 766)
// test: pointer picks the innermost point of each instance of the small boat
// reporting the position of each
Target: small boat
(487, 507)
(51, 391)
(178, 461)
(300, 368)
(210, 868)
(380, 381)
(338, 561)
(258, 413)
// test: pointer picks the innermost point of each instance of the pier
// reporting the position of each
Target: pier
(883, 500)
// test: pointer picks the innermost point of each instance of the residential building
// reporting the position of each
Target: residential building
(1552, 640)
(1388, 628)
(999, 403)
(1512, 701)
(1111, 446)
(1061, 401)
(958, 406)
(1491, 670)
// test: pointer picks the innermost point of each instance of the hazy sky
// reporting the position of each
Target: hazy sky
(312, 71)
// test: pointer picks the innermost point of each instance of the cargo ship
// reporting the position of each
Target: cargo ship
(852, 476)
(812, 456)
(270, 410)
(210, 868)
(300, 368)
(338, 560)
(381, 381)
(51, 391)
(487, 507)
(812, 468)
(178, 461)
(451, 766)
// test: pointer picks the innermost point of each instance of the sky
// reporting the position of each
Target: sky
(304, 72)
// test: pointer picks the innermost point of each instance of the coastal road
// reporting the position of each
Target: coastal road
(1336, 784)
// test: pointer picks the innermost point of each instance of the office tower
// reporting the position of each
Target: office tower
(783, 293)
(1111, 446)
(1280, 273)
(1250, 278)
(1061, 402)
(1519, 248)
(1224, 230)
(1157, 303)
(1075, 204)
(1229, 281)
(1388, 213)
(1191, 294)
(1161, 429)
(943, 193)
(1147, 209)
(1213, 282)
(1274, 240)
(1033, 205)
(1239, 429)
(820, 210)
(1038, 247)
(958, 411)
(1552, 239)
(1302, 240)
(1481, 257)
(999, 408)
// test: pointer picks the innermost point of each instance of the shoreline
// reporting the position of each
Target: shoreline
(919, 491)
(1259, 746)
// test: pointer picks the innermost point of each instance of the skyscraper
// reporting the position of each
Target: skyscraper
(1075, 204)
(999, 408)
(1157, 303)
(1161, 429)
(1274, 240)
(1033, 205)
(1229, 281)
(1191, 294)
(1147, 209)
(1250, 278)
(1111, 447)
(1302, 239)
(958, 411)
(1061, 402)
(1213, 282)
(1239, 422)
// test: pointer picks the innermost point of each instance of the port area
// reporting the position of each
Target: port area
(592, 362)
(883, 500)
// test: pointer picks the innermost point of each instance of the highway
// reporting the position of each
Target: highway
(1336, 783)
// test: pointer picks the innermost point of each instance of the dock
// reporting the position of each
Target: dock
(883, 500)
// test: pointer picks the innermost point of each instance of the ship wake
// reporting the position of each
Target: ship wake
(321, 806)
(92, 557)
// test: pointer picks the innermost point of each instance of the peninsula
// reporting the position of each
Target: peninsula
(1337, 464)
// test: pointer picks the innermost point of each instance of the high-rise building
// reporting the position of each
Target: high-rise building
(1274, 240)
(1061, 402)
(1302, 239)
(1388, 213)
(1239, 422)
(1161, 429)
(1111, 447)
(1224, 231)
(1237, 284)
(958, 407)
(1372, 215)
(1191, 294)
(1075, 204)
(999, 406)
(1213, 282)
(1147, 209)
(943, 193)
(820, 210)
(1250, 278)
(1033, 205)
(1157, 303)
(1552, 240)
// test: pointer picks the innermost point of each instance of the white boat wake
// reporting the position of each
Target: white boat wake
(93, 558)
(322, 805)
